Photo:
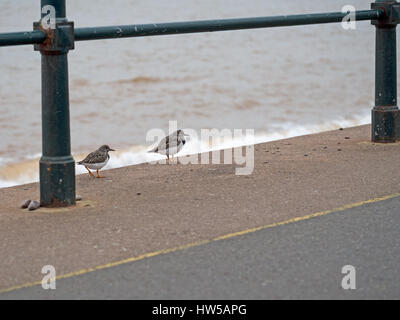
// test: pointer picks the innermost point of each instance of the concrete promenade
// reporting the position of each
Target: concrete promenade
(151, 212)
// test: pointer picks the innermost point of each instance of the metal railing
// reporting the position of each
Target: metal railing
(57, 167)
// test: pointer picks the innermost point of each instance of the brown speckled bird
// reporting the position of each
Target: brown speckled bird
(96, 160)
(171, 144)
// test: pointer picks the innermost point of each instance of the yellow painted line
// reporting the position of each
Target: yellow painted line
(109, 265)
(199, 243)
(313, 215)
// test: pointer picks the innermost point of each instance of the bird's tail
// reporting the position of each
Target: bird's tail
(80, 162)
(155, 149)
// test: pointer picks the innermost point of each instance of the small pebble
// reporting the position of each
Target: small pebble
(340, 128)
(34, 205)
(325, 147)
(347, 137)
(306, 155)
(25, 204)
(339, 149)
(138, 193)
(78, 197)
(265, 161)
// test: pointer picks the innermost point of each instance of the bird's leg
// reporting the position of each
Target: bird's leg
(172, 158)
(90, 173)
(167, 158)
(98, 175)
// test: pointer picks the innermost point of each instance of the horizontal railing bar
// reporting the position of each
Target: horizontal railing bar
(21, 38)
(143, 30)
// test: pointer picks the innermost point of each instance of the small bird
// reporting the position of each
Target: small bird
(171, 144)
(96, 160)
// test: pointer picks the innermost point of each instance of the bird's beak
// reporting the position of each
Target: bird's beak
(111, 149)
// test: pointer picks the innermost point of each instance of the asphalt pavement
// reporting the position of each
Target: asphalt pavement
(299, 260)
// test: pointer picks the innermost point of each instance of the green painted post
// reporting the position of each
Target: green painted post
(57, 167)
(386, 115)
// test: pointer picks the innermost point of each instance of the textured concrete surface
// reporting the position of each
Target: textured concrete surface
(180, 204)
(301, 260)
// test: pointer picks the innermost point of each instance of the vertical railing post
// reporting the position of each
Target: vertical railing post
(386, 115)
(57, 167)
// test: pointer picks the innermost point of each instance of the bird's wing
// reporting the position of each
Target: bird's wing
(166, 143)
(95, 157)
(172, 141)
(163, 145)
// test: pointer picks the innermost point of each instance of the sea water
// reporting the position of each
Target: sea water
(281, 82)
